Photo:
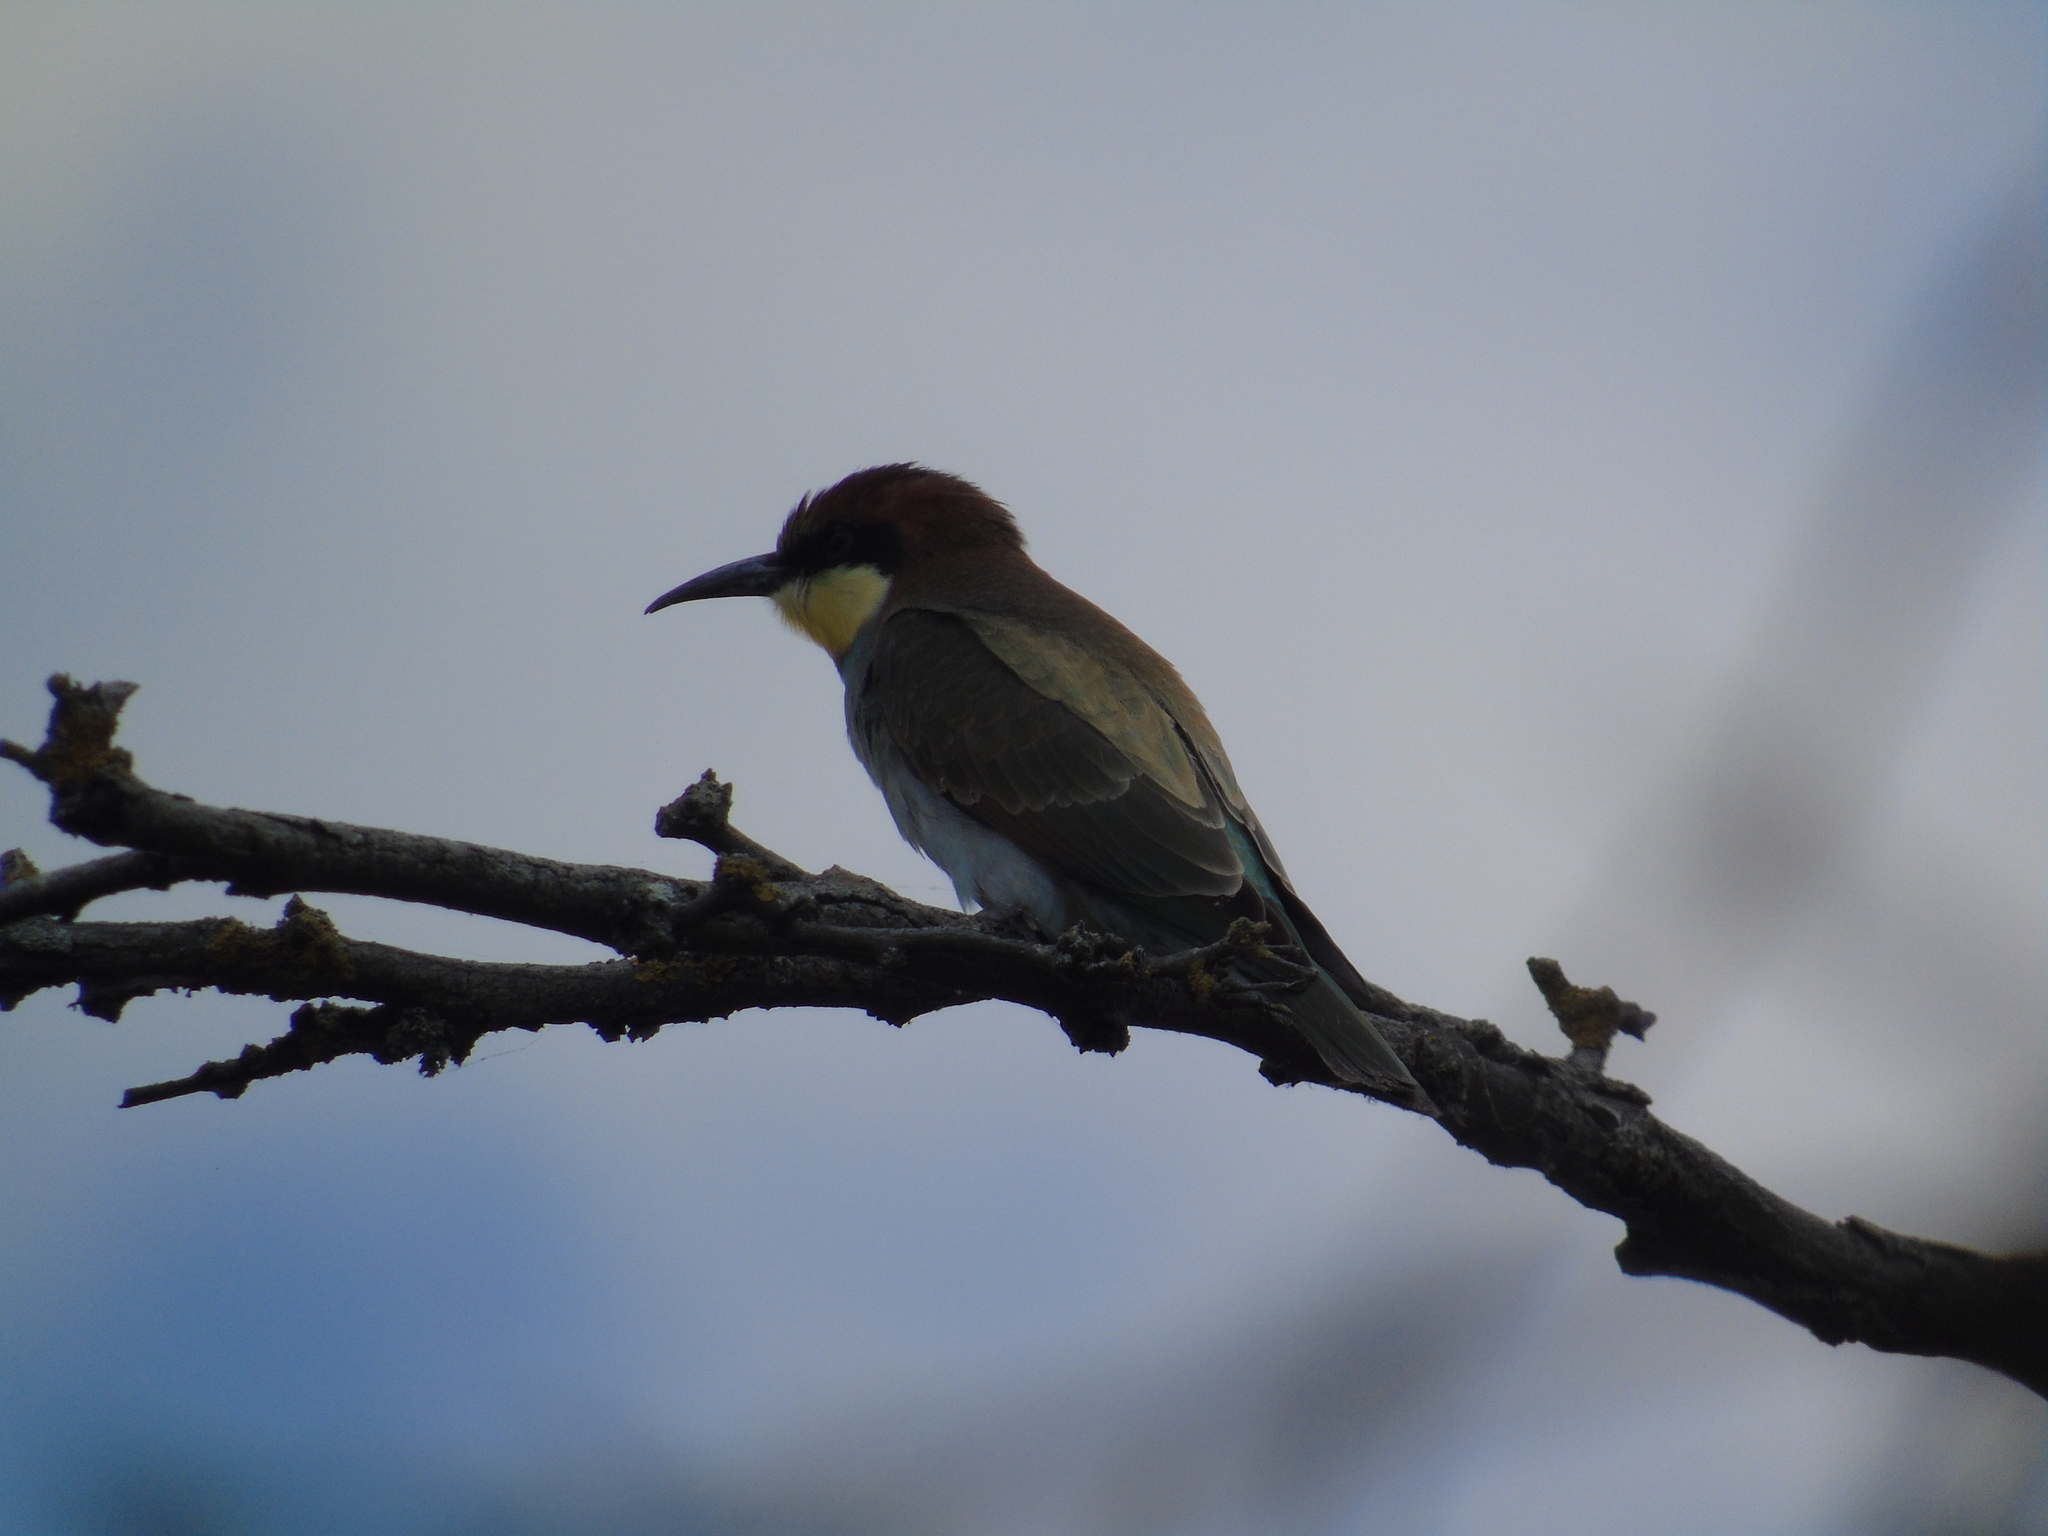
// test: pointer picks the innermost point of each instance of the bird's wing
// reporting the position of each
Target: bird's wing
(1084, 768)
(1109, 797)
(1108, 696)
(1170, 740)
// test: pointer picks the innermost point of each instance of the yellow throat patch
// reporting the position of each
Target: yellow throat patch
(832, 606)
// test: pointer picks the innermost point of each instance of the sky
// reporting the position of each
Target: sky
(1587, 458)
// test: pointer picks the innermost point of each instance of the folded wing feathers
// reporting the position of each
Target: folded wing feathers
(1041, 769)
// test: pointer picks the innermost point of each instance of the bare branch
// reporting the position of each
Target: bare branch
(761, 933)
(700, 815)
(27, 892)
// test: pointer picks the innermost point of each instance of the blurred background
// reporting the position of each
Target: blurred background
(1589, 459)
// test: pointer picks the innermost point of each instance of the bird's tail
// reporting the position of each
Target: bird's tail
(1351, 1047)
(1325, 1011)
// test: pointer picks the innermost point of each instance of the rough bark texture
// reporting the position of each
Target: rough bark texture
(762, 933)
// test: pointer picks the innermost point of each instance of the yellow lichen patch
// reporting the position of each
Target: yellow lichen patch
(1200, 982)
(1247, 937)
(710, 970)
(832, 606)
(75, 757)
(1589, 1016)
(696, 970)
(739, 870)
(313, 941)
(235, 941)
(305, 945)
(79, 746)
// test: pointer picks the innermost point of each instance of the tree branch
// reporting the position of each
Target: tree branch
(762, 933)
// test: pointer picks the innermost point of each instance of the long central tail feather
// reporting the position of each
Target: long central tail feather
(1330, 1012)
(1351, 1047)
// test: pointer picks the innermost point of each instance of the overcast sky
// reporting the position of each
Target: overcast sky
(1587, 459)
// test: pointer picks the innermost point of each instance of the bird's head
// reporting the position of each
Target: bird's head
(842, 549)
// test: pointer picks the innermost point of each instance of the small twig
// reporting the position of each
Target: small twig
(700, 814)
(63, 893)
(1589, 1016)
(78, 746)
(96, 795)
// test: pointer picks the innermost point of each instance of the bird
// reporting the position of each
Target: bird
(1051, 762)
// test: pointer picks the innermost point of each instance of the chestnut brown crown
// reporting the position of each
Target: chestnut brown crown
(892, 515)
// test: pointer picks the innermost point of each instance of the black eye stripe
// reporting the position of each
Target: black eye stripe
(843, 544)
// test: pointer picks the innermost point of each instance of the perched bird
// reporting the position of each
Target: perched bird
(1040, 753)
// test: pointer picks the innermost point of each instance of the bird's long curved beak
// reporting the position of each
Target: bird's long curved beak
(755, 576)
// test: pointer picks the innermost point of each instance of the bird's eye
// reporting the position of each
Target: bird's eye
(839, 543)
